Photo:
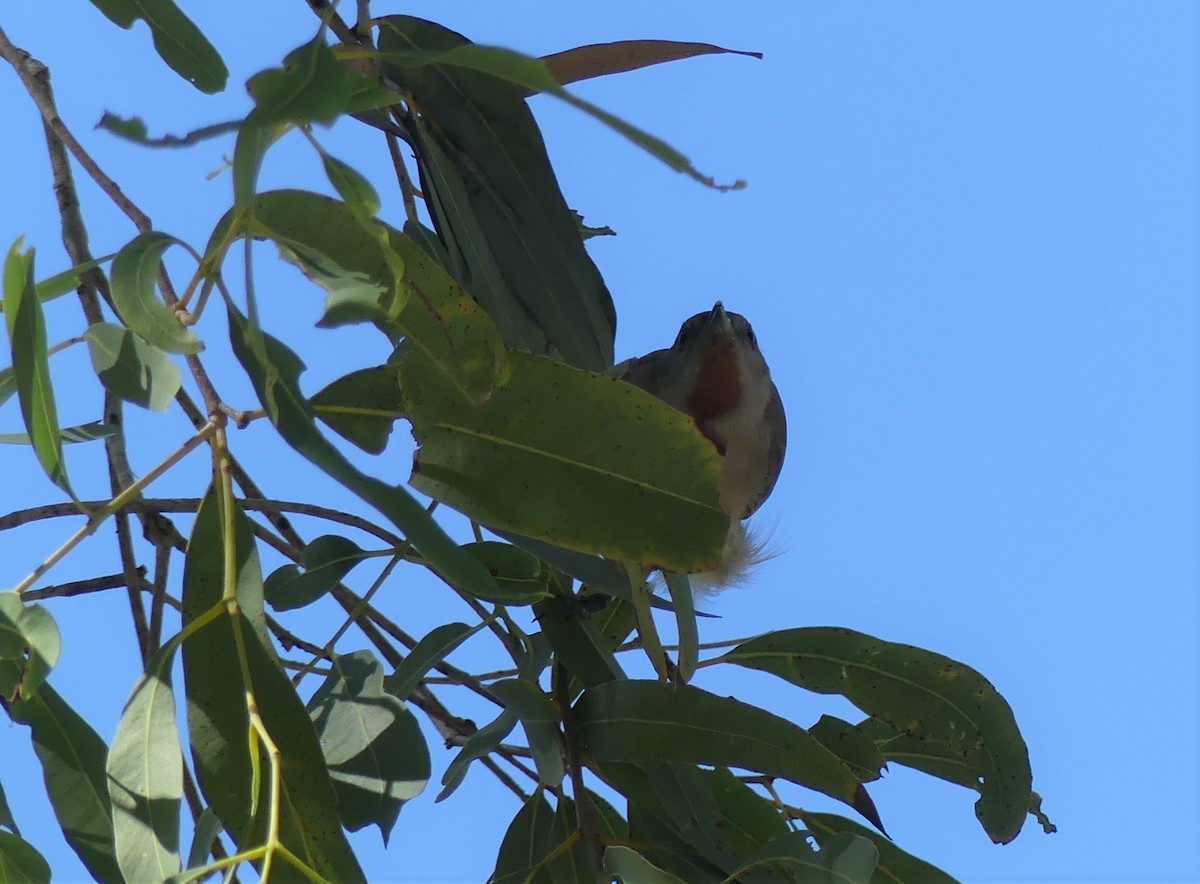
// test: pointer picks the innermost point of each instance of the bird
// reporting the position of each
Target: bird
(716, 374)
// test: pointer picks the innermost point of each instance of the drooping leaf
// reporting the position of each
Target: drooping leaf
(145, 776)
(276, 381)
(530, 837)
(227, 659)
(601, 59)
(6, 815)
(477, 745)
(208, 827)
(645, 720)
(131, 368)
(20, 863)
(493, 195)
(373, 745)
(643, 479)
(72, 757)
(540, 718)
(685, 618)
(178, 41)
(31, 364)
(326, 560)
(134, 278)
(895, 866)
(426, 654)
(362, 406)
(915, 692)
(29, 637)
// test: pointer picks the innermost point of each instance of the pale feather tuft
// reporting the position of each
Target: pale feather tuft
(745, 549)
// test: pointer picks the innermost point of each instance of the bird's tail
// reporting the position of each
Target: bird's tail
(745, 549)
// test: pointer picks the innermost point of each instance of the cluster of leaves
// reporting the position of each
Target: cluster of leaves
(503, 344)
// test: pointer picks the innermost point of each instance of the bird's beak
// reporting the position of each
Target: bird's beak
(718, 325)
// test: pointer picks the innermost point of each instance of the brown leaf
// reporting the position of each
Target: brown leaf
(598, 59)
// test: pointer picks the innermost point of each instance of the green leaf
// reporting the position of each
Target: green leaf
(426, 654)
(312, 85)
(894, 864)
(129, 367)
(632, 868)
(646, 720)
(134, 279)
(918, 693)
(67, 435)
(850, 744)
(540, 717)
(134, 129)
(8, 381)
(228, 659)
(31, 364)
(747, 819)
(324, 239)
(58, 285)
(520, 577)
(20, 863)
(494, 198)
(362, 406)
(275, 370)
(145, 776)
(72, 757)
(477, 745)
(577, 642)
(179, 42)
(27, 629)
(373, 745)
(643, 479)
(326, 560)
(208, 827)
(685, 618)
(528, 841)
(355, 190)
(6, 815)
(846, 859)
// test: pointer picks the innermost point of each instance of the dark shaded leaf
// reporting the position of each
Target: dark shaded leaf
(845, 859)
(31, 364)
(918, 693)
(373, 745)
(29, 636)
(477, 745)
(145, 776)
(493, 195)
(576, 641)
(67, 435)
(224, 661)
(646, 720)
(134, 129)
(178, 41)
(129, 367)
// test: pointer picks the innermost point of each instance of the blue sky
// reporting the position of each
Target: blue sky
(969, 250)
